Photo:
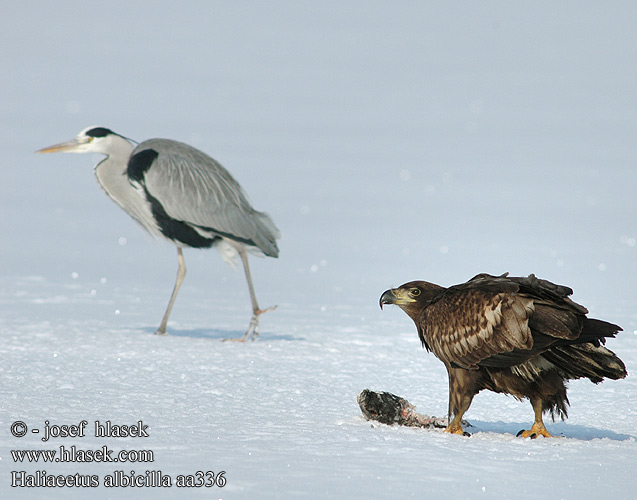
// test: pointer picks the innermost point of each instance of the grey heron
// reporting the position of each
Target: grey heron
(182, 195)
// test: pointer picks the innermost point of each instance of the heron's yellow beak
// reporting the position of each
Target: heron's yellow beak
(73, 146)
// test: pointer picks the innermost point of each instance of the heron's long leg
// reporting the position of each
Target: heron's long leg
(253, 328)
(246, 267)
(181, 274)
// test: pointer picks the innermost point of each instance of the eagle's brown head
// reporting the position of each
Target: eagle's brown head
(412, 297)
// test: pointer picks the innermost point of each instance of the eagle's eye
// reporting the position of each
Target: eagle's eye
(414, 292)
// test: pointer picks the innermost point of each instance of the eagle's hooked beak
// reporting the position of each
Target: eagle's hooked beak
(397, 296)
(388, 297)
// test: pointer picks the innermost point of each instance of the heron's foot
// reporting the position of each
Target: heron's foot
(538, 429)
(261, 311)
(160, 331)
(251, 333)
(253, 328)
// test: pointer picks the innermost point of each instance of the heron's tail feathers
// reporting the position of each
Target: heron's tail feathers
(267, 234)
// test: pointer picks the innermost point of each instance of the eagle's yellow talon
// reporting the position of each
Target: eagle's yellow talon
(454, 429)
(535, 431)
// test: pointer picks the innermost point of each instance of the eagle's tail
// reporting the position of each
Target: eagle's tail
(587, 360)
(585, 356)
(597, 331)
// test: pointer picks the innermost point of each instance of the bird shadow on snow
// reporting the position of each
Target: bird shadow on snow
(561, 429)
(206, 333)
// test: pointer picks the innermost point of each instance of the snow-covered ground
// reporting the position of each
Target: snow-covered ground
(389, 143)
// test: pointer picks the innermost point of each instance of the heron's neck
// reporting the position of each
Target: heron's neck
(111, 171)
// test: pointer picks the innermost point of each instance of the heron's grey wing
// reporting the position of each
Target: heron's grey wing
(195, 189)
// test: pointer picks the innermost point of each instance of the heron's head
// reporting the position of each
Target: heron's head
(412, 297)
(92, 140)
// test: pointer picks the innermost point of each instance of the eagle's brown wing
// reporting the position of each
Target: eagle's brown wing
(469, 324)
(503, 321)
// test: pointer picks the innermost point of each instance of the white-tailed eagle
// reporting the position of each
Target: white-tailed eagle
(514, 335)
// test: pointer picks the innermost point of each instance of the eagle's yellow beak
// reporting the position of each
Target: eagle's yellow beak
(395, 296)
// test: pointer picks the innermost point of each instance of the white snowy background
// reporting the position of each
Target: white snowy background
(390, 141)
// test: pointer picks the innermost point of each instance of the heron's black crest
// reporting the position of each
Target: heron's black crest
(99, 132)
(139, 163)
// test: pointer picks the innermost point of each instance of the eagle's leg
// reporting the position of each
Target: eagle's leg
(461, 392)
(455, 427)
(538, 428)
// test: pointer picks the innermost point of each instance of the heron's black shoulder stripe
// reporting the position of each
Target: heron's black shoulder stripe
(99, 132)
(177, 230)
(139, 163)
